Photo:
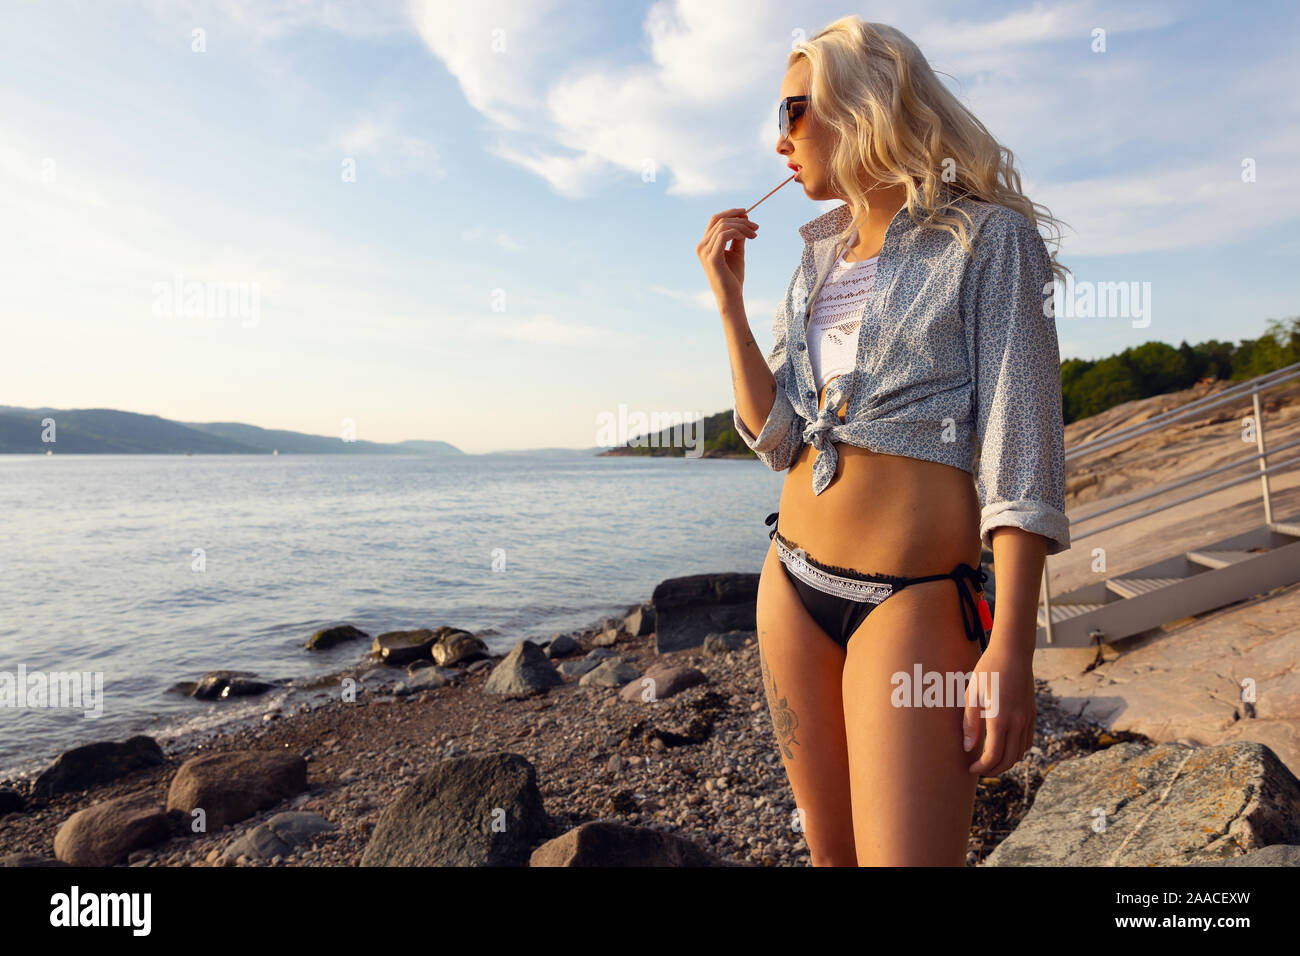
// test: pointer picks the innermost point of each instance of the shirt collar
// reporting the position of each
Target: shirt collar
(835, 221)
(828, 224)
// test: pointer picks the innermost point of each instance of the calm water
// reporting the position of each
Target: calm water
(97, 566)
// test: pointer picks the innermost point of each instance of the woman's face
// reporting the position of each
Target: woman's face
(809, 144)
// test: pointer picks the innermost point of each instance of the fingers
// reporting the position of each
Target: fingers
(723, 228)
(714, 246)
(1005, 745)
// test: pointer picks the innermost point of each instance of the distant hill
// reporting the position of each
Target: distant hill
(717, 433)
(83, 431)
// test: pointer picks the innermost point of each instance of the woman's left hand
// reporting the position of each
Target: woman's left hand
(1002, 689)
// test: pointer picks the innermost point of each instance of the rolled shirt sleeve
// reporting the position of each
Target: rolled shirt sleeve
(1018, 416)
(781, 436)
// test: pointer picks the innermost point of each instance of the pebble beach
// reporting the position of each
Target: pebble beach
(702, 764)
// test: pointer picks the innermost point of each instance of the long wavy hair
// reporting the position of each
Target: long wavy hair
(898, 124)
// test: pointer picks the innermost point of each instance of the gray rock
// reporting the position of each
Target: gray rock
(418, 665)
(611, 673)
(562, 645)
(607, 843)
(333, 636)
(577, 668)
(398, 648)
(608, 637)
(11, 801)
(91, 764)
(600, 654)
(233, 786)
(1279, 854)
(688, 608)
(641, 621)
(278, 836)
(29, 859)
(476, 810)
(1168, 805)
(427, 679)
(106, 833)
(727, 641)
(522, 672)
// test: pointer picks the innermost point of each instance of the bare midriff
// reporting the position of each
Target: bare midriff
(882, 514)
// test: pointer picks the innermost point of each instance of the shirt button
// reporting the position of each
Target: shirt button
(801, 346)
(812, 394)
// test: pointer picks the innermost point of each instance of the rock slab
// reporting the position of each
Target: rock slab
(1167, 805)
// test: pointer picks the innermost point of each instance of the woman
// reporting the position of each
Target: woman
(915, 350)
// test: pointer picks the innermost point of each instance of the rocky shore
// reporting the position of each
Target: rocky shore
(432, 752)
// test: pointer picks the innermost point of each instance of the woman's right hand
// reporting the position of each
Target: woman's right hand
(725, 267)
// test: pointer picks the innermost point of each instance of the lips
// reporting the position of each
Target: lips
(795, 166)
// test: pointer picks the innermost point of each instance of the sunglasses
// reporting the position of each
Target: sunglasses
(788, 113)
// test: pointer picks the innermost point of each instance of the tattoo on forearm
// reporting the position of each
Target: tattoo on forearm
(784, 720)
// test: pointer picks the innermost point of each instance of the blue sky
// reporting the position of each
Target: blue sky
(501, 272)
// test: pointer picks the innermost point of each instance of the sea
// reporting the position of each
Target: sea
(150, 570)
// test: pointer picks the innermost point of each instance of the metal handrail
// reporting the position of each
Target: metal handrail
(1194, 407)
(1252, 386)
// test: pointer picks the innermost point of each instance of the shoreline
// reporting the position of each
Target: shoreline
(720, 783)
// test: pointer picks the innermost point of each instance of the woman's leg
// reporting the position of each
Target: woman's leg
(912, 794)
(801, 669)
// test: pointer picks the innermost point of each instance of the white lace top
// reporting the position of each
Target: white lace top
(837, 317)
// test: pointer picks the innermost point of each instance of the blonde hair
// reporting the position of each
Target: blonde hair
(898, 124)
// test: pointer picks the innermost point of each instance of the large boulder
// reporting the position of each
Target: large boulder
(230, 787)
(608, 843)
(526, 670)
(333, 636)
(686, 609)
(1167, 805)
(476, 810)
(401, 647)
(86, 766)
(106, 833)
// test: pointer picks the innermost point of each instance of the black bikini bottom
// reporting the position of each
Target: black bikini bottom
(839, 599)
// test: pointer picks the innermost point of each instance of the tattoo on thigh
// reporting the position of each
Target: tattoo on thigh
(784, 720)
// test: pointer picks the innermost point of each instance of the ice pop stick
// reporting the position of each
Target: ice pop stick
(755, 206)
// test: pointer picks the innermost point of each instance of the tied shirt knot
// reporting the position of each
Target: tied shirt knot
(820, 432)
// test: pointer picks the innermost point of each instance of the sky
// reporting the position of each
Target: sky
(477, 222)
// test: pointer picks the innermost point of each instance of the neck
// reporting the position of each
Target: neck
(885, 201)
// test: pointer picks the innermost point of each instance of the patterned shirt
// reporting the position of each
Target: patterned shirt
(957, 363)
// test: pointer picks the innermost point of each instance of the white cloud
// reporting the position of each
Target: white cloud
(395, 152)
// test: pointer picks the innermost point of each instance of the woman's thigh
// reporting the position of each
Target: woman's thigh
(912, 793)
(801, 677)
